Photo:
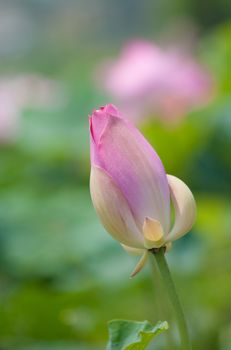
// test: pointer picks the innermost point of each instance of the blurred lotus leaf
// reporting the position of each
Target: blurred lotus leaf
(132, 335)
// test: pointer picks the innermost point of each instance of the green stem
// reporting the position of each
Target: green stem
(161, 308)
(159, 257)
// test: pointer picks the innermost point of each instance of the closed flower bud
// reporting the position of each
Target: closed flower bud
(130, 190)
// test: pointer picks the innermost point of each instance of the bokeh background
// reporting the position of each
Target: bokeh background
(61, 276)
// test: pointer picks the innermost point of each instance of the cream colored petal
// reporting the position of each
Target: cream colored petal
(184, 205)
(140, 264)
(153, 233)
(168, 246)
(113, 209)
(132, 251)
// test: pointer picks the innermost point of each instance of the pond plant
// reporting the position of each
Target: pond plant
(133, 197)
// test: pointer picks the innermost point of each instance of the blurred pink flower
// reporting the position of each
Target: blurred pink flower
(147, 79)
(20, 92)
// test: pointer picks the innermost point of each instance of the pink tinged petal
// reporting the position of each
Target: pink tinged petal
(113, 210)
(184, 205)
(153, 234)
(141, 264)
(122, 151)
(98, 122)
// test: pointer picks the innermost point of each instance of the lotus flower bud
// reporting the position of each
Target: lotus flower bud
(130, 190)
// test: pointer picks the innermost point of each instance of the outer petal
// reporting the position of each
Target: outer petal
(122, 151)
(140, 264)
(98, 122)
(113, 210)
(133, 251)
(184, 205)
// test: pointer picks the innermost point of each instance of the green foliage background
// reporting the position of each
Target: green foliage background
(61, 276)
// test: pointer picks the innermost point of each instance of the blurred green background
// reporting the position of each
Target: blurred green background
(61, 276)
